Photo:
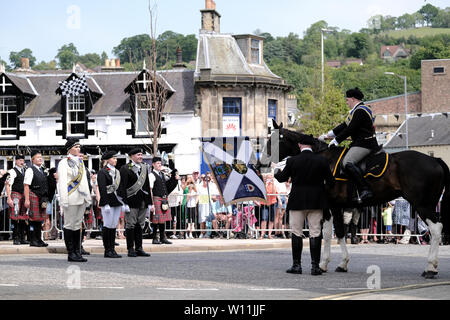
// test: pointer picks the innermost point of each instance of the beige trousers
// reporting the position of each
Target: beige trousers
(297, 222)
(73, 217)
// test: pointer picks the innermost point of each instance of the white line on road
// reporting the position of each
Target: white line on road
(275, 289)
(118, 288)
(187, 289)
(8, 285)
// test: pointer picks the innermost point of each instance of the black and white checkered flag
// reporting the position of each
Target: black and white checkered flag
(74, 88)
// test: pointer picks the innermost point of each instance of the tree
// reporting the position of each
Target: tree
(133, 49)
(436, 50)
(15, 58)
(442, 20)
(90, 60)
(46, 65)
(429, 12)
(67, 56)
(406, 21)
(358, 45)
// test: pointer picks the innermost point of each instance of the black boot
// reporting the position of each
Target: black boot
(315, 247)
(297, 248)
(107, 243)
(356, 176)
(22, 231)
(155, 233)
(35, 234)
(83, 252)
(162, 234)
(354, 240)
(138, 242)
(15, 230)
(39, 235)
(129, 234)
(68, 240)
(76, 236)
(112, 239)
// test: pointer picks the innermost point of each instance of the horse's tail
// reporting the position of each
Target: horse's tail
(445, 203)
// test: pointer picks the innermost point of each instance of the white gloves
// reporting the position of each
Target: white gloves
(333, 143)
(323, 137)
(329, 135)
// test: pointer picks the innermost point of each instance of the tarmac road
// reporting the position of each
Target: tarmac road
(226, 275)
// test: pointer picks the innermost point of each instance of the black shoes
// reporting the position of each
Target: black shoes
(73, 242)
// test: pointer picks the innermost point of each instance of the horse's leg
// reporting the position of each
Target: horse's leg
(436, 235)
(340, 234)
(327, 231)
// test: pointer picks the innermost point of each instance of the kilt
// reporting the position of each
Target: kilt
(36, 213)
(160, 216)
(22, 210)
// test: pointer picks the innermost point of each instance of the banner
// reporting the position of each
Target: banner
(231, 161)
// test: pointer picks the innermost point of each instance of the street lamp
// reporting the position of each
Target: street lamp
(406, 104)
(323, 58)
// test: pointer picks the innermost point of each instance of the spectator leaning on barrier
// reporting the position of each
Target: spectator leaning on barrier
(268, 209)
(308, 172)
(191, 206)
(387, 220)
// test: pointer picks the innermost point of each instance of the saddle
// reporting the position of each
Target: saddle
(373, 166)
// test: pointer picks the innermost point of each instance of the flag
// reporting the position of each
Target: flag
(74, 88)
(231, 163)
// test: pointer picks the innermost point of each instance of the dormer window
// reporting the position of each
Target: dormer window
(76, 116)
(143, 115)
(8, 115)
(256, 51)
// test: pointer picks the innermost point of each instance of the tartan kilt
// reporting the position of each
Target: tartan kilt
(36, 213)
(160, 216)
(22, 210)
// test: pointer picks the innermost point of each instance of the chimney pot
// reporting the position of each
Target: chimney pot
(25, 63)
(117, 63)
(107, 64)
(113, 63)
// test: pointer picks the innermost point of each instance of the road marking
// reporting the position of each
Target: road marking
(187, 289)
(8, 285)
(114, 288)
(274, 289)
(346, 295)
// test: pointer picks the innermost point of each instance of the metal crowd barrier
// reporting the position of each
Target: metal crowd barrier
(245, 220)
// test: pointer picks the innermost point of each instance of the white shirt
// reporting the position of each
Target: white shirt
(29, 175)
(13, 175)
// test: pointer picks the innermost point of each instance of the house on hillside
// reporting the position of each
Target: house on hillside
(393, 53)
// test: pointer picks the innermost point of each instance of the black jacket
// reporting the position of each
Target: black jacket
(104, 179)
(359, 126)
(308, 172)
(128, 179)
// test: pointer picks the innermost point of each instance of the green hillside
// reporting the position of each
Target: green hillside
(419, 32)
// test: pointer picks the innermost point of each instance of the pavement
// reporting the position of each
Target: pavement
(179, 245)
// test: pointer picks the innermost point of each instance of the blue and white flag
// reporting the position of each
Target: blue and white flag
(231, 161)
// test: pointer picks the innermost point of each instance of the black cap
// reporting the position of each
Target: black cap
(20, 157)
(35, 152)
(156, 159)
(355, 93)
(71, 142)
(109, 154)
(135, 151)
(306, 140)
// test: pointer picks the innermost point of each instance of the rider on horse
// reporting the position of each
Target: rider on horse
(359, 125)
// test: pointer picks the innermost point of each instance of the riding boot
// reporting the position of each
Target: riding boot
(353, 233)
(297, 248)
(70, 246)
(162, 234)
(15, 230)
(35, 235)
(129, 234)
(107, 243)
(356, 176)
(155, 233)
(22, 231)
(112, 239)
(138, 241)
(76, 236)
(315, 246)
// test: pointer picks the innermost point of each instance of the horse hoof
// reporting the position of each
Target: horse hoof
(429, 274)
(339, 269)
(323, 271)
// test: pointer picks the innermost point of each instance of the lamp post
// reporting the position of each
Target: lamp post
(323, 58)
(406, 104)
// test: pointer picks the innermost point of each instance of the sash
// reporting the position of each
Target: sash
(134, 189)
(363, 107)
(113, 187)
(75, 183)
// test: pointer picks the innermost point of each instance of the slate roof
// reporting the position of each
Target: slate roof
(109, 89)
(427, 130)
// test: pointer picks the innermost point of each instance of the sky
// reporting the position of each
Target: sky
(95, 26)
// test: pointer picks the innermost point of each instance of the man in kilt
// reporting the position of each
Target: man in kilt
(75, 197)
(161, 187)
(134, 190)
(36, 198)
(16, 199)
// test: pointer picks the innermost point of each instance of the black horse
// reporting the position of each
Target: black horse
(418, 178)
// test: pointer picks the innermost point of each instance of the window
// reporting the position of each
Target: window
(255, 48)
(8, 114)
(438, 70)
(273, 109)
(232, 108)
(76, 116)
(143, 116)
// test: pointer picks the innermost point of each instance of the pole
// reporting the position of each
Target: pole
(323, 68)
(406, 112)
